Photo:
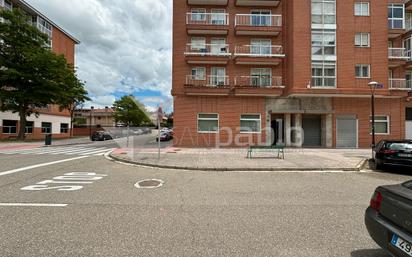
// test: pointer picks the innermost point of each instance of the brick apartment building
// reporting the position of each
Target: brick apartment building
(51, 119)
(244, 67)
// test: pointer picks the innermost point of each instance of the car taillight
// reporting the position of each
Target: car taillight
(376, 201)
(389, 151)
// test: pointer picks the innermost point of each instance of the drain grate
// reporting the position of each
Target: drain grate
(149, 183)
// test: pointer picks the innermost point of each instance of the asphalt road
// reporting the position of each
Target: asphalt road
(97, 211)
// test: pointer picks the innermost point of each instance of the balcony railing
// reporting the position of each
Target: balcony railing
(207, 49)
(259, 51)
(258, 20)
(408, 24)
(207, 81)
(397, 53)
(214, 19)
(258, 81)
(400, 84)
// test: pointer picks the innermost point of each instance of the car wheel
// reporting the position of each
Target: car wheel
(379, 166)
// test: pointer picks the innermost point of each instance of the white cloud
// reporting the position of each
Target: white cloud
(126, 44)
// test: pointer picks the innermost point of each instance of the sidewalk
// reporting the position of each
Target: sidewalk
(235, 159)
(37, 143)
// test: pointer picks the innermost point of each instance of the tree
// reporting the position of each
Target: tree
(74, 98)
(31, 76)
(130, 112)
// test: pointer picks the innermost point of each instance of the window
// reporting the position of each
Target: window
(29, 127)
(323, 74)
(362, 39)
(323, 42)
(396, 16)
(218, 46)
(9, 126)
(381, 124)
(407, 44)
(198, 15)
(208, 123)
(250, 123)
(64, 128)
(261, 77)
(323, 12)
(218, 17)
(198, 43)
(362, 9)
(199, 73)
(261, 18)
(408, 114)
(46, 127)
(218, 77)
(260, 46)
(362, 71)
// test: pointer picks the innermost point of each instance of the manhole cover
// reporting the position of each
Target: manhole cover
(149, 183)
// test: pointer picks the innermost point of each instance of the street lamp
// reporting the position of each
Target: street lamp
(373, 85)
(90, 124)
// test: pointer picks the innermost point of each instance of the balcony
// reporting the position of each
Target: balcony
(207, 2)
(258, 86)
(397, 57)
(396, 28)
(259, 55)
(408, 24)
(207, 53)
(207, 23)
(399, 84)
(272, 3)
(258, 24)
(207, 85)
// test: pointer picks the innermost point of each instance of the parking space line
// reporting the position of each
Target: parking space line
(39, 165)
(33, 205)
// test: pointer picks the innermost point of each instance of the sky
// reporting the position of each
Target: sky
(125, 47)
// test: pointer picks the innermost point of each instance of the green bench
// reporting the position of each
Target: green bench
(280, 149)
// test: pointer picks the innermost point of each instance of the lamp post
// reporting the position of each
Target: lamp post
(90, 124)
(373, 85)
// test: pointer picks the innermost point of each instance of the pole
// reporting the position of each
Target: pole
(90, 124)
(158, 137)
(373, 121)
(128, 134)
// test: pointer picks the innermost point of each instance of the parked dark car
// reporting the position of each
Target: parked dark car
(389, 218)
(164, 136)
(389, 152)
(101, 136)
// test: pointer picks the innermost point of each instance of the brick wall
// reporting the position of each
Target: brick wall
(229, 110)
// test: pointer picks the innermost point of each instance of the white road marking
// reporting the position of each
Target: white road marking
(95, 152)
(74, 150)
(33, 205)
(39, 165)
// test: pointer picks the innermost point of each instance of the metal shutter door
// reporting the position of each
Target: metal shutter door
(347, 132)
(312, 130)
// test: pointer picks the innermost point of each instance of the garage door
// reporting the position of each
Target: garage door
(346, 132)
(312, 125)
(409, 130)
(408, 123)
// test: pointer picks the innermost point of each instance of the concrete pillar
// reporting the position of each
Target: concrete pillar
(298, 130)
(288, 131)
(268, 128)
(329, 130)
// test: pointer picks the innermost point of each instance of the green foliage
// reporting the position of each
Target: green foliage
(130, 112)
(32, 76)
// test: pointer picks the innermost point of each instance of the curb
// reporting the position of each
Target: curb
(111, 157)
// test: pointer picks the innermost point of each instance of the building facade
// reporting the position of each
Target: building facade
(51, 120)
(295, 72)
